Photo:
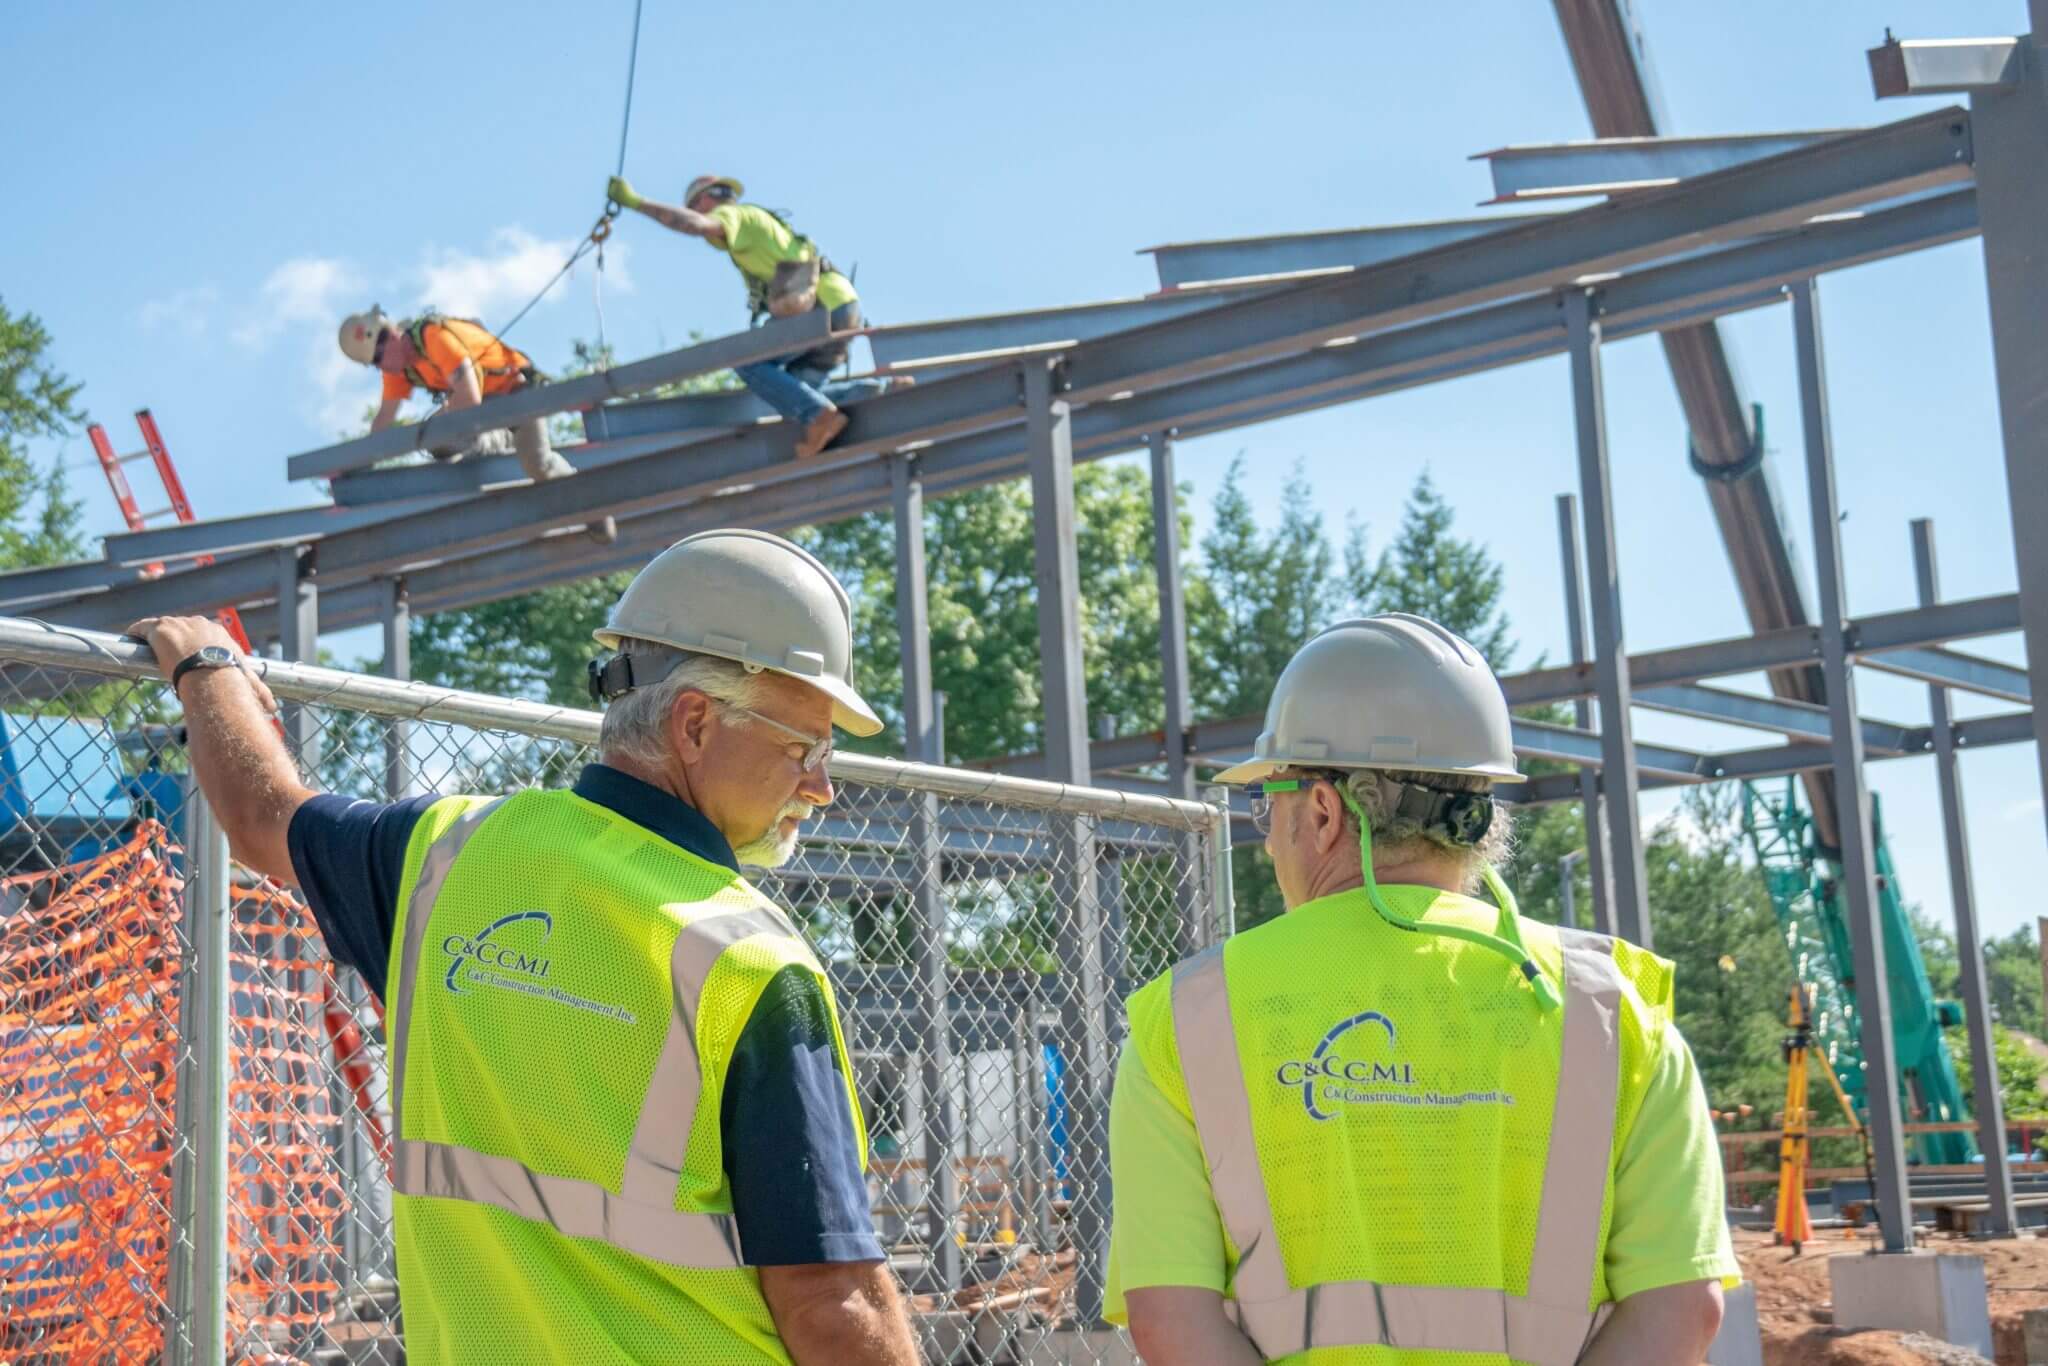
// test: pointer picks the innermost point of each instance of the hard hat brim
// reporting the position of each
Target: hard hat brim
(1237, 775)
(1252, 770)
(850, 712)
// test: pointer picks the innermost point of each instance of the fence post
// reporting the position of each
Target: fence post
(1222, 897)
(921, 741)
(1079, 941)
(196, 1334)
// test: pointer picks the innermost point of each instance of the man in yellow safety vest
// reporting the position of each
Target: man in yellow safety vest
(1398, 1125)
(785, 275)
(626, 1129)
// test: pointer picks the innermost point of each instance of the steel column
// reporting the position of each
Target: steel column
(394, 610)
(1582, 717)
(197, 1325)
(1623, 100)
(1858, 864)
(1174, 680)
(1990, 1106)
(913, 631)
(1080, 943)
(298, 641)
(920, 743)
(2009, 136)
(1629, 907)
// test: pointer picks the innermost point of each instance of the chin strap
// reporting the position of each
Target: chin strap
(1507, 941)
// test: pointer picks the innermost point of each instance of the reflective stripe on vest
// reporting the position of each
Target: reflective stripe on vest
(1549, 1326)
(640, 1218)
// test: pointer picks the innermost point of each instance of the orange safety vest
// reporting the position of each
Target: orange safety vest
(499, 368)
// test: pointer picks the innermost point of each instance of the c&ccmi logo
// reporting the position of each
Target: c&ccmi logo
(1330, 1076)
(515, 962)
(487, 956)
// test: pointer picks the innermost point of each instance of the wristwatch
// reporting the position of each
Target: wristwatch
(205, 657)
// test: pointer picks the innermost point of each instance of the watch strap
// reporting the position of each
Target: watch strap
(199, 659)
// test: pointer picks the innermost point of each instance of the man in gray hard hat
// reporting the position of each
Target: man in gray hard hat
(626, 1127)
(1398, 1122)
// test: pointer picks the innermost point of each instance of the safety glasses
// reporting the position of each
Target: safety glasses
(1262, 799)
(817, 749)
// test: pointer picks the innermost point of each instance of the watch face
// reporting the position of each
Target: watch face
(216, 656)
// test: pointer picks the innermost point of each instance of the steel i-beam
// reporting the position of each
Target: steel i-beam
(1990, 1106)
(1858, 856)
(1618, 778)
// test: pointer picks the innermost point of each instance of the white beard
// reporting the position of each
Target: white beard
(771, 848)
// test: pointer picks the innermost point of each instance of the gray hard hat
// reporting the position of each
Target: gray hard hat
(1393, 692)
(751, 597)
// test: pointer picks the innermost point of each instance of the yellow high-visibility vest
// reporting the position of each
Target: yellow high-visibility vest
(567, 989)
(1406, 1152)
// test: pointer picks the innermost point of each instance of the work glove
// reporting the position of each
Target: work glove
(619, 192)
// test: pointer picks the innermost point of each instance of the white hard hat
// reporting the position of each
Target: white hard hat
(1393, 691)
(705, 182)
(359, 333)
(751, 597)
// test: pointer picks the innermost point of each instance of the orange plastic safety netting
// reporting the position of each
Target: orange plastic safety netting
(90, 956)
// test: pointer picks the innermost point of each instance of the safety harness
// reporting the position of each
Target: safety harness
(759, 290)
(416, 333)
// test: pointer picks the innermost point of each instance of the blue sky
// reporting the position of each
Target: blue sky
(198, 196)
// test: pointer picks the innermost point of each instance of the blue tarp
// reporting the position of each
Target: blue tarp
(56, 769)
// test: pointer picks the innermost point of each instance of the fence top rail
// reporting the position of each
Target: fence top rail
(26, 641)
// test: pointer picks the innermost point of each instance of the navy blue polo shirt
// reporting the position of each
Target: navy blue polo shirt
(797, 1191)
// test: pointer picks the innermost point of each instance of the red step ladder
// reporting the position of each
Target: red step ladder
(154, 450)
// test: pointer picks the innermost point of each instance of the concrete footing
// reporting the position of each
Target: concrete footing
(1741, 1340)
(1939, 1294)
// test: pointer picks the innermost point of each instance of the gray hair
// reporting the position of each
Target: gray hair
(636, 724)
(1399, 838)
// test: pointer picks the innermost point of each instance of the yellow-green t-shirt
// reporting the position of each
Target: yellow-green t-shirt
(758, 242)
(1668, 1223)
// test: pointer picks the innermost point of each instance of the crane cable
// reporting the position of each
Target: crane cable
(594, 239)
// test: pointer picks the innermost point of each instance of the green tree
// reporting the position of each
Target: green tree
(2021, 1072)
(1715, 922)
(536, 645)
(1432, 573)
(39, 520)
(1259, 594)
(982, 608)
(2012, 975)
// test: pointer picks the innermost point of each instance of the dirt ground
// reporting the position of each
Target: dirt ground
(1794, 1307)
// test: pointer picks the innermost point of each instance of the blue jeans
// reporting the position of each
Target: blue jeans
(800, 387)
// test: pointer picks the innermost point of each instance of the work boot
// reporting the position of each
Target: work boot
(550, 466)
(537, 458)
(820, 433)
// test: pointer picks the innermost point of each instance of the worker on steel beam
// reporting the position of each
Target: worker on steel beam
(786, 276)
(1397, 1117)
(626, 1130)
(462, 364)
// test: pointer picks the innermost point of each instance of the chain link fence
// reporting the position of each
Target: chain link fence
(192, 1157)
